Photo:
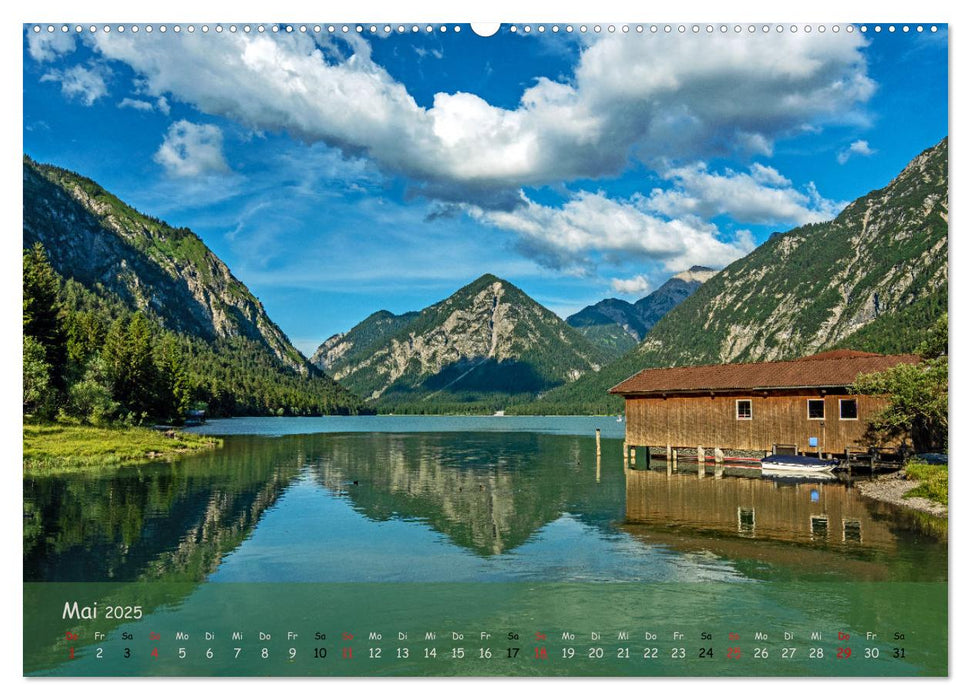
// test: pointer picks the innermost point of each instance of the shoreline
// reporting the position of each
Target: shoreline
(56, 447)
(890, 488)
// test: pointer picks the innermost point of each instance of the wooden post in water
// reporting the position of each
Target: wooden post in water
(626, 453)
(701, 454)
(669, 453)
(598, 467)
(633, 456)
(719, 456)
(674, 458)
(598, 442)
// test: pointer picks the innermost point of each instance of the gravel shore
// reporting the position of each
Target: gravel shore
(891, 488)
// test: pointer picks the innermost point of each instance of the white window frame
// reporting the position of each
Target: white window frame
(751, 409)
(809, 417)
(857, 403)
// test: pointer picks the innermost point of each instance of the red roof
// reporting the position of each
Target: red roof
(836, 368)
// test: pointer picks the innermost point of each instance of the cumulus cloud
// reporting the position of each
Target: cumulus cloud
(857, 148)
(674, 97)
(761, 196)
(634, 285)
(192, 150)
(591, 226)
(46, 46)
(86, 84)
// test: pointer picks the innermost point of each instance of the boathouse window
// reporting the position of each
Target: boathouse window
(746, 521)
(817, 409)
(743, 409)
(852, 532)
(819, 526)
(848, 409)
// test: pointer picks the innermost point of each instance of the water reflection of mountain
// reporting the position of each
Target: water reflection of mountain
(807, 528)
(487, 492)
(153, 522)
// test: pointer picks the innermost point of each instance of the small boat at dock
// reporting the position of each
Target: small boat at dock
(797, 464)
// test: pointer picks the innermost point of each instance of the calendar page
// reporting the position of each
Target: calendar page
(545, 349)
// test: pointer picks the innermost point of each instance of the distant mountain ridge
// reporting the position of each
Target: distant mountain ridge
(875, 278)
(617, 326)
(370, 332)
(487, 341)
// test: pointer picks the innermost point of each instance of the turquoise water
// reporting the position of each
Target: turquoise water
(519, 504)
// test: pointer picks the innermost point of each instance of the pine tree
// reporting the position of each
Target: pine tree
(43, 317)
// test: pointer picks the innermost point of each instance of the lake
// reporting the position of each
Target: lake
(392, 521)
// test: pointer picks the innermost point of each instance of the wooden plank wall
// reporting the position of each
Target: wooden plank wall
(780, 512)
(689, 421)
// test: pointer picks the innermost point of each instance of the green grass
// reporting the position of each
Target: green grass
(55, 447)
(932, 480)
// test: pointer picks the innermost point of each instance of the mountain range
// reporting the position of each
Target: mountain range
(874, 278)
(487, 342)
(616, 325)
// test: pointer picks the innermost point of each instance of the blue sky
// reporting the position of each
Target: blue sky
(341, 174)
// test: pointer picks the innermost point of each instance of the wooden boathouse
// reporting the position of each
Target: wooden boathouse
(801, 406)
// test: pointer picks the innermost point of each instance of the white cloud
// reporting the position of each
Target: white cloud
(676, 97)
(140, 105)
(46, 46)
(192, 150)
(161, 104)
(857, 148)
(591, 226)
(761, 196)
(634, 285)
(87, 84)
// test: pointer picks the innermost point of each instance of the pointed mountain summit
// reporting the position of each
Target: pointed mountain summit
(616, 326)
(486, 341)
